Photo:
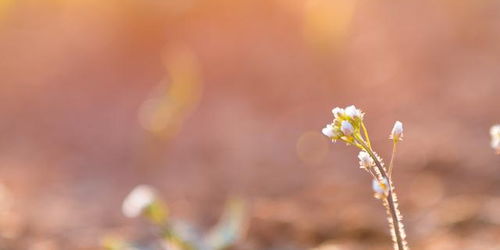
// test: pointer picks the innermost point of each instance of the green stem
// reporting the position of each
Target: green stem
(366, 134)
(391, 164)
(168, 233)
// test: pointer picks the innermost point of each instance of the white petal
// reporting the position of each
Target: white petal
(328, 130)
(351, 111)
(337, 112)
(495, 131)
(137, 200)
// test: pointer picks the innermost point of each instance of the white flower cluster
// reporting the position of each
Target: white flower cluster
(346, 122)
(348, 126)
(495, 138)
(137, 200)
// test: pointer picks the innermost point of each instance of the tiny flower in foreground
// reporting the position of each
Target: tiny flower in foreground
(138, 200)
(495, 138)
(397, 131)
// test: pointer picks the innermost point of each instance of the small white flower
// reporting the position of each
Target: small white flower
(495, 144)
(137, 200)
(337, 112)
(365, 160)
(495, 137)
(353, 112)
(380, 188)
(397, 131)
(346, 128)
(328, 130)
(495, 131)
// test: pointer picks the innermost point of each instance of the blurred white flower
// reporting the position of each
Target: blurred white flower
(346, 128)
(495, 130)
(328, 130)
(337, 112)
(495, 137)
(365, 160)
(495, 144)
(397, 131)
(380, 188)
(137, 200)
(353, 112)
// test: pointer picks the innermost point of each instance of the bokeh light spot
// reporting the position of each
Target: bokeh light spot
(175, 97)
(327, 22)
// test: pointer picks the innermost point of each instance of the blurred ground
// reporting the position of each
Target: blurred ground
(208, 99)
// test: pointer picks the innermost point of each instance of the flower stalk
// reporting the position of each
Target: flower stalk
(348, 126)
(395, 221)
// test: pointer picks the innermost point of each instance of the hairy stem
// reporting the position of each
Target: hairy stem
(398, 229)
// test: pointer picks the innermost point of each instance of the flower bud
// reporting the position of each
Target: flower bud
(380, 188)
(346, 128)
(365, 160)
(397, 131)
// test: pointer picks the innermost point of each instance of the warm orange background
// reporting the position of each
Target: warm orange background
(206, 99)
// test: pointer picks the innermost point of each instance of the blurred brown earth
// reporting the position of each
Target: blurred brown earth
(206, 99)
